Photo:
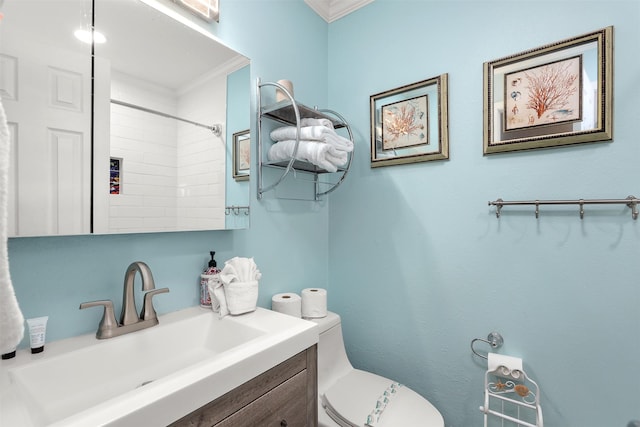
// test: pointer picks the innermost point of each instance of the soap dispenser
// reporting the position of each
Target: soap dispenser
(210, 273)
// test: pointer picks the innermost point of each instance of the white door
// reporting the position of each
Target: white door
(46, 94)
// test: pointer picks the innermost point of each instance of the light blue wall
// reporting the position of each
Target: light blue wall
(419, 264)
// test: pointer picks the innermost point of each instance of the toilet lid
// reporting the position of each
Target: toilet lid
(355, 396)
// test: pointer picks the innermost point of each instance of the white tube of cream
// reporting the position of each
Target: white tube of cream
(37, 332)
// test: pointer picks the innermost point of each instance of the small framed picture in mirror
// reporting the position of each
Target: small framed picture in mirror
(241, 155)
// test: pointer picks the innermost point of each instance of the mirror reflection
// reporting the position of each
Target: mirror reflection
(46, 93)
(167, 100)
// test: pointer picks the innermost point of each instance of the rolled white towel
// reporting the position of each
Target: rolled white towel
(313, 133)
(339, 142)
(317, 153)
(338, 158)
(316, 122)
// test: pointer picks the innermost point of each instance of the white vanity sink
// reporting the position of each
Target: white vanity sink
(149, 377)
(63, 385)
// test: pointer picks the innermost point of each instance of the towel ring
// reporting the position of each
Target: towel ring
(494, 339)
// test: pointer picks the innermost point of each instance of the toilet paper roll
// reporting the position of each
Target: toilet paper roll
(287, 303)
(280, 95)
(495, 360)
(314, 303)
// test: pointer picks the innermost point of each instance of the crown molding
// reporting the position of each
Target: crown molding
(331, 10)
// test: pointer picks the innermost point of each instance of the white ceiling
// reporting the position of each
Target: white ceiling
(147, 43)
(330, 10)
(141, 41)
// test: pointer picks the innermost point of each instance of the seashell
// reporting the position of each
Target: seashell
(522, 390)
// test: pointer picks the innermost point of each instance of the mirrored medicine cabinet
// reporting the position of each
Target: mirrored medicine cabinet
(130, 135)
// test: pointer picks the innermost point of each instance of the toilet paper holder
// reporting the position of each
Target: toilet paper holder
(494, 339)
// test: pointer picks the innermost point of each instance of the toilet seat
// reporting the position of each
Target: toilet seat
(353, 397)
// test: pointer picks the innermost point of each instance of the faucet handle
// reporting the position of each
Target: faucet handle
(108, 322)
(148, 312)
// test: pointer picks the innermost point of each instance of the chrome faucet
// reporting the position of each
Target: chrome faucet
(130, 321)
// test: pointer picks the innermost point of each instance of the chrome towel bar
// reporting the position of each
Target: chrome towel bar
(631, 202)
(233, 209)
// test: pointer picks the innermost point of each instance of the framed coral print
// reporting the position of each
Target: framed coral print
(559, 94)
(409, 124)
(241, 155)
(544, 95)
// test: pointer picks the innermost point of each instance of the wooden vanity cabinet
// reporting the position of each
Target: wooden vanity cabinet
(284, 396)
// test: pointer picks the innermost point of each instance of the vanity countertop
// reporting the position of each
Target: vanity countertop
(83, 381)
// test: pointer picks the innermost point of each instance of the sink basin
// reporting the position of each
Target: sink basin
(71, 382)
(105, 381)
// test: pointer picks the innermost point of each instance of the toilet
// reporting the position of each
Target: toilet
(348, 397)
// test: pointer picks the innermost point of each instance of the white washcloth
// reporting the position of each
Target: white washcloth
(316, 122)
(11, 318)
(313, 133)
(218, 297)
(239, 269)
(237, 289)
(322, 155)
(213, 283)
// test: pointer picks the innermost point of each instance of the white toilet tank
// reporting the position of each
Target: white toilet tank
(333, 362)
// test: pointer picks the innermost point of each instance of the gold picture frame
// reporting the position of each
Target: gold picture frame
(241, 155)
(409, 124)
(554, 95)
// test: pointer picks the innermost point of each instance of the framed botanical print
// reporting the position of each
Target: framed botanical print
(241, 155)
(409, 123)
(554, 95)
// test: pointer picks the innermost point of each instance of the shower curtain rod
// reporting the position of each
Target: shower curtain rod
(631, 202)
(216, 129)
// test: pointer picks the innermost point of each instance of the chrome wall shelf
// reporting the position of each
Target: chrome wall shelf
(290, 112)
